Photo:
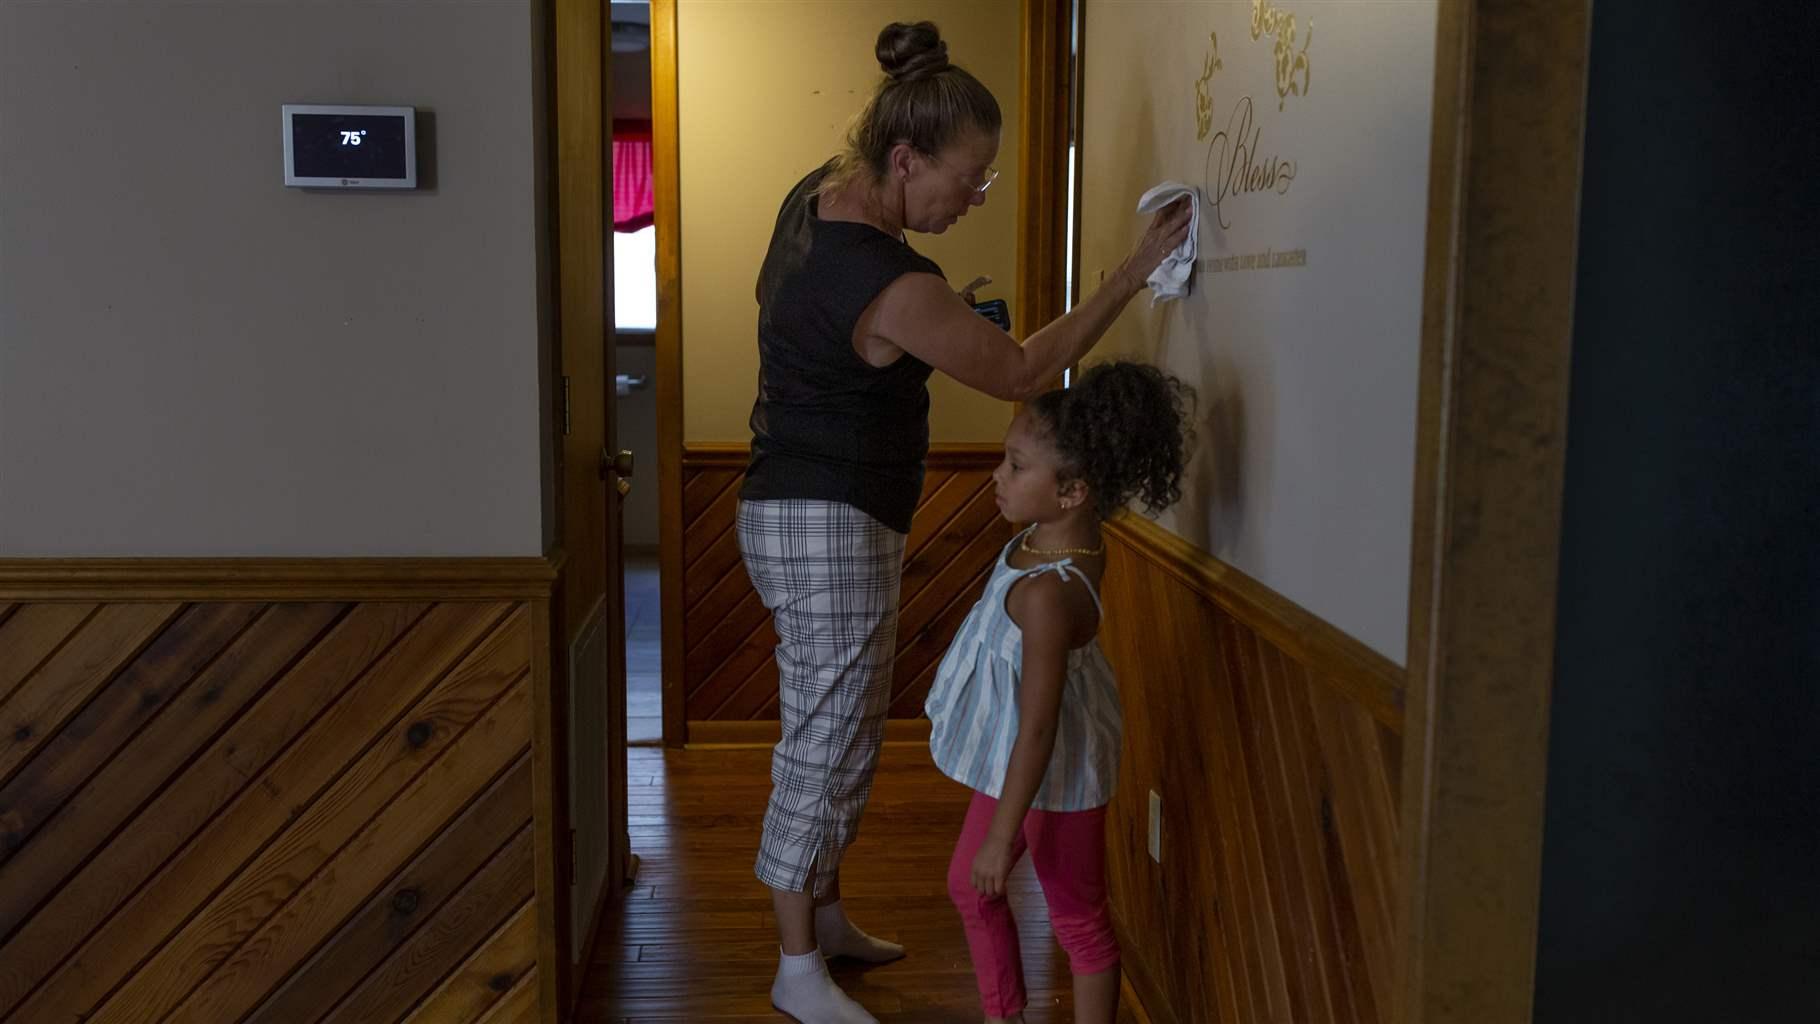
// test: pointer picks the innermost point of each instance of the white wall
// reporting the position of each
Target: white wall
(195, 360)
(1307, 373)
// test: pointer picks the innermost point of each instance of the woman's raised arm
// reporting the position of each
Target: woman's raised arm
(919, 314)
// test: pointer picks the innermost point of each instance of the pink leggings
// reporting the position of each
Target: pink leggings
(1068, 849)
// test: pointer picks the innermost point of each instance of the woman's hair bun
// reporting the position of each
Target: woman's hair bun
(908, 52)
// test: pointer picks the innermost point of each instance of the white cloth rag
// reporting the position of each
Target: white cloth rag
(1171, 278)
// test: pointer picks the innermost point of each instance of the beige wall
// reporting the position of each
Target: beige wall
(1307, 367)
(765, 92)
(196, 360)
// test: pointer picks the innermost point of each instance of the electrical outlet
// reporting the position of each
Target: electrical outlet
(1156, 827)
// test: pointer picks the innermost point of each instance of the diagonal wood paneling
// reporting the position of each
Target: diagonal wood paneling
(84, 661)
(284, 812)
(30, 634)
(728, 671)
(419, 964)
(1274, 743)
(502, 961)
(395, 912)
(122, 707)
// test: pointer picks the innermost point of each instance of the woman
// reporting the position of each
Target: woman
(852, 322)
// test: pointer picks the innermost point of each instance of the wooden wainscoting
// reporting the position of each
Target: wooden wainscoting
(729, 675)
(280, 792)
(1274, 742)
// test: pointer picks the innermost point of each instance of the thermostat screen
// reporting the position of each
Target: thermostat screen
(348, 146)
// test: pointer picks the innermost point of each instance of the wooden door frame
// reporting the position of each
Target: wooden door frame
(575, 115)
(666, 170)
(1502, 234)
(1497, 325)
(1046, 121)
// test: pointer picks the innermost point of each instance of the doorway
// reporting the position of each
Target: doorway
(635, 321)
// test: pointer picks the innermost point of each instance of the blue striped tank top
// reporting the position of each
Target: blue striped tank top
(972, 704)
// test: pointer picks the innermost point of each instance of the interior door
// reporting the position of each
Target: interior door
(589, 616)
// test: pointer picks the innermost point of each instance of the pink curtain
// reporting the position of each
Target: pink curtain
(633, 195)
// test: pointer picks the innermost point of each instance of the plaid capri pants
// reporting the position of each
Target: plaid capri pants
(829, 573)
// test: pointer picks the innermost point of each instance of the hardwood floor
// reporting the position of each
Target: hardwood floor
(693, 940)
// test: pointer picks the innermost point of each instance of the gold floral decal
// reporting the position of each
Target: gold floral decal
(1203, 90)
(1280, 24)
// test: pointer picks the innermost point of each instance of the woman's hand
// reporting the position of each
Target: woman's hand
(991, 866)
(1168, 229)
(968, 289)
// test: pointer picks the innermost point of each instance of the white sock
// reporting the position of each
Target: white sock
(838, 937)
(804, 990)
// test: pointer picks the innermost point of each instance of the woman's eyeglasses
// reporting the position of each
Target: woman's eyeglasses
(990, 176)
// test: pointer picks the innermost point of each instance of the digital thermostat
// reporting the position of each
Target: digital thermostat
(350, 147)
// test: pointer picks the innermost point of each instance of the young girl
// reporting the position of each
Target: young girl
(1024, 708)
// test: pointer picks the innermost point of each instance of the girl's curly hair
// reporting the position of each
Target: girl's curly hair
(1124, 430)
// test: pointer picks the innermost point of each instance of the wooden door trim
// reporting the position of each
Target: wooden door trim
(1045, 111)
(549, 817)
(278, 579)
(666, 171)
(1504, 177)
(577, 45)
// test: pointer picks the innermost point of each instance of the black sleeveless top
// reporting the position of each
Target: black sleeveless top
(827, 424)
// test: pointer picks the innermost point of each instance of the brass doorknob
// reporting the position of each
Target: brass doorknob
(617, 468)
